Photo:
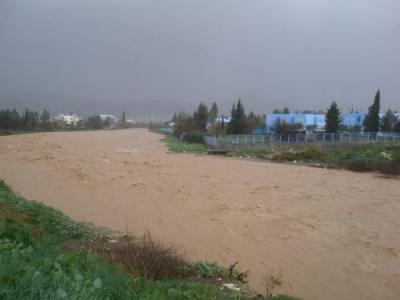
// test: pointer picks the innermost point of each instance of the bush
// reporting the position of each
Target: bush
(194, 138)
(142, 256)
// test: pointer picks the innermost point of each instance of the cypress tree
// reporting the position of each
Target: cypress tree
(240, 118)
(201, 116)
(123, 120)
(332, 118)
(232, 124)
(238, 122)
(213, 113)
(371, 121)
(45, 123)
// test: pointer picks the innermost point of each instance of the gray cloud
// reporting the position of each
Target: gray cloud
(114, 54)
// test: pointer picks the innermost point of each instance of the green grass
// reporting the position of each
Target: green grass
(35, 262)
(174, 144)
(368, 157)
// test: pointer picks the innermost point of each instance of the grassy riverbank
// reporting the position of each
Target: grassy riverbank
(46, 255)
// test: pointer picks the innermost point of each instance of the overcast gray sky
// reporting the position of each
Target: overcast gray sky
(271, 53)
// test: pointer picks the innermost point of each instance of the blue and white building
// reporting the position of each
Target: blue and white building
(316, 120)
(352, 119)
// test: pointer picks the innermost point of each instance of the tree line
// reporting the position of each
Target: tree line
(204, 120)
(30, 120)
(372, 121)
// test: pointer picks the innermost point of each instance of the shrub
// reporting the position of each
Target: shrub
(142, 256)
(194, 138)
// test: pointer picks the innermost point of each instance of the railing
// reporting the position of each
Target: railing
(233, 141)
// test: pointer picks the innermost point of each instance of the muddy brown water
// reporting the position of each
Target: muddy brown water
(330, 234)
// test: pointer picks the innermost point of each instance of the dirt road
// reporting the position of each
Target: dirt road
(331, 234)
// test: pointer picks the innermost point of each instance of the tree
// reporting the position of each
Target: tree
(232, 124)
(389, 121)
(332, 118)
(276, 111)
(254, 121)
(237, 125)
(240, 118)
(94, 122)
(201, 116)
(15, 120)
(123, 117)
(371, 121)
(45, 123)
(30, 119)
(123, 120)
(184, 123)
(286, 110)
(213, 113)
(283, 127)
(396, 127)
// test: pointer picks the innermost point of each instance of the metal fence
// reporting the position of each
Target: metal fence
(235, 141)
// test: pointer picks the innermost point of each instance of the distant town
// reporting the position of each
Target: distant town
(208, 121)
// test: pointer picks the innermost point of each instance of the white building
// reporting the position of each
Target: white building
(219, 119)
(69, 119)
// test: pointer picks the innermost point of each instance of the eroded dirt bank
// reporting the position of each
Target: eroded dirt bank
(331, 234)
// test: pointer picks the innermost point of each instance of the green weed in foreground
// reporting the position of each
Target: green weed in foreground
(174, 144)
(35, 266)
(210, 270)
(32, 266)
